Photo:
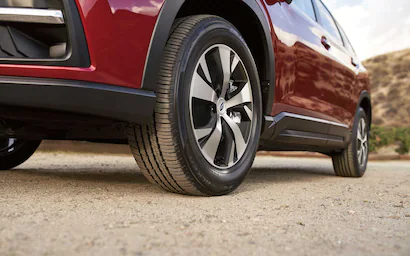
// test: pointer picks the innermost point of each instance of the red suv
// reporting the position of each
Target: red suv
(195, 87)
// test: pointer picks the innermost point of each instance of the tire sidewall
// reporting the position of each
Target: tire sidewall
(210, 32)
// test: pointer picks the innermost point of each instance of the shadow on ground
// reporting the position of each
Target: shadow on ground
(111, 175)
(282, 174)
(106, 175)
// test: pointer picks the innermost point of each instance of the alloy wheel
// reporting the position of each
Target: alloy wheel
(221, 106)
(362, 142)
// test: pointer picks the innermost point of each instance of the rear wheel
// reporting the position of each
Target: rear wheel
(14, 152)
(352, 162)
(207, 123)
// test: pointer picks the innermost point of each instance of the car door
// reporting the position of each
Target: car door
(313, 71)
(347, 74)
(303, 64)
(344, 68)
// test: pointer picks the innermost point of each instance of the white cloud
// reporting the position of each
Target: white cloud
(374, 26)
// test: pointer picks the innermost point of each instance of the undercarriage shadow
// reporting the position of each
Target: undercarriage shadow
(108, 175)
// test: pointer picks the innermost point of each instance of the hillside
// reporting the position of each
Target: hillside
(390, 80)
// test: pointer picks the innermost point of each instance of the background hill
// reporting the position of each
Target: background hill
(390, 81)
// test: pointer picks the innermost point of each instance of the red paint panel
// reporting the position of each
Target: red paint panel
(310, 79)
(118, 34)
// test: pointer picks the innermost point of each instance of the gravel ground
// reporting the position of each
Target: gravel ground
(65, 204)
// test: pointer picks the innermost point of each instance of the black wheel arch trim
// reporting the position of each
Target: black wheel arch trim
(365, 95)
(79, 97)
(162, 30)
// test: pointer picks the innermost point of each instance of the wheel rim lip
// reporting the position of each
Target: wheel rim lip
(207, 158)
(362, 142)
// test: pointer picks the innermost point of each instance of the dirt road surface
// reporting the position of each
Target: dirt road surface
(65, 204)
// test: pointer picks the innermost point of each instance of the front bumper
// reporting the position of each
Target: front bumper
(78, 97)
(109, 42)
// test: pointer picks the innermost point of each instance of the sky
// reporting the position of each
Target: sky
(374, 27)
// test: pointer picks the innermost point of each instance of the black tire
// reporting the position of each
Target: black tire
(347, 163)
(21, 151)
(166, 150)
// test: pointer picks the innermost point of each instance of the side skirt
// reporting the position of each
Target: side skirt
(293, 132)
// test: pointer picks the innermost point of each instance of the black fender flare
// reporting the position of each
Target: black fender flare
(365, 95)
(162, 30)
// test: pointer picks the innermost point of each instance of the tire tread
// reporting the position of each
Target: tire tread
(155, 146)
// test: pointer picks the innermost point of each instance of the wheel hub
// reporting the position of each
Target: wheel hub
(222, 106)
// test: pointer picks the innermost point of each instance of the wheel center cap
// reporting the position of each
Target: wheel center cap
(221, 106)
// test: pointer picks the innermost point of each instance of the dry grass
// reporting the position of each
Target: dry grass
(390, 80)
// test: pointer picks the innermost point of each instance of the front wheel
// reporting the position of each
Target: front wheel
(208, 114)
(14, 152)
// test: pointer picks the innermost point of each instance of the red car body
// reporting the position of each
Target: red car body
(125, 39)
(112, 29)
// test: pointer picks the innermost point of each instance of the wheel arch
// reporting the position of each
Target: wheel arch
(259, 40)
(365, 103)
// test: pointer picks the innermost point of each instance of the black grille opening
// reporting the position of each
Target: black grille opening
(31, 41)
(43, 32)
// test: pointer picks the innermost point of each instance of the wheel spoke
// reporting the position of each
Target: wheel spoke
(362, 156)
(239, 140)
(244, 96)
(211, 146)
(225, 55)
(235, 63)
(364, 138)
(232, 154)
(359, 135)
(360, 130)
(363, 127)
(201, 90)
(205, 69)
(359, 154)
(365, 149)
(11, 142)
(248, 112)
(202, 133)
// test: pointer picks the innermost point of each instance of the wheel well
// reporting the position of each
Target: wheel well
(367, 107)
(245, 20)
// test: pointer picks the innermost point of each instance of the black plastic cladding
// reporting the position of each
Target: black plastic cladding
(365, 95)
(163, 28)
(77, 44)
(93, 99)
(17, 45)
(290, 132)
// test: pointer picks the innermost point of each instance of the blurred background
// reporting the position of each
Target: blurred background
(380, 33)
(374, 27)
